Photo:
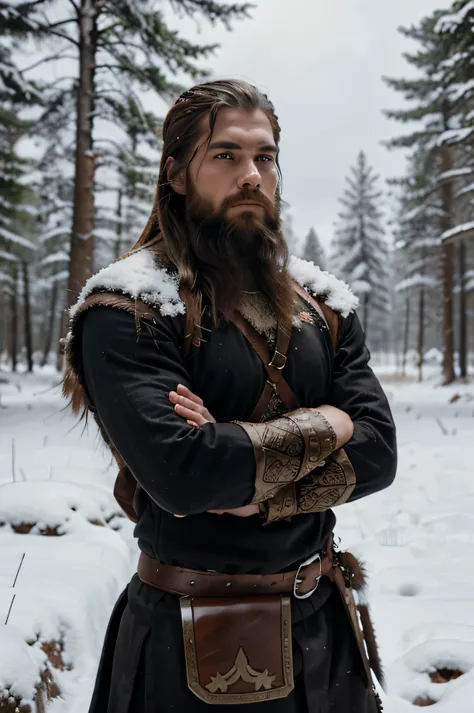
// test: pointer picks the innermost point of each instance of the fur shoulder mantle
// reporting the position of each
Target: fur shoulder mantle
(335, 293)
(140, 277)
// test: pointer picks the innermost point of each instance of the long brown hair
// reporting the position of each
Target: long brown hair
(167, 231)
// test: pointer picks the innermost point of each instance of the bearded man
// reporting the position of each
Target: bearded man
(232, 385)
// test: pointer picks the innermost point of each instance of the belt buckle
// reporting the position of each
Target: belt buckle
(298, 581)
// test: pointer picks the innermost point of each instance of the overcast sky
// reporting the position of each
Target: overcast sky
(321, 62)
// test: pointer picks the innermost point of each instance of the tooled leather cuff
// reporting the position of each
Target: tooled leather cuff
(288, 448)
(318, 435)
(327, 488)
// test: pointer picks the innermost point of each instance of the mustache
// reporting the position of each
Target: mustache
(248, 194)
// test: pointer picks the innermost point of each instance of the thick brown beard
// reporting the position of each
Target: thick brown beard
(224, 250)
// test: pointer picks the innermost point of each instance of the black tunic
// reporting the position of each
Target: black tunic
(190, 471)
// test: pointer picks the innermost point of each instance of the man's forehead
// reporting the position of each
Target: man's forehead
(246, 127)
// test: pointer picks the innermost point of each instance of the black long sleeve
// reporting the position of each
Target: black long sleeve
(184, 470)
(357, 391)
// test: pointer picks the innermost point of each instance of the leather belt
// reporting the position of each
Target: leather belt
(196, 583)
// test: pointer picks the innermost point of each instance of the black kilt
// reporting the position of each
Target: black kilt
(142, 668)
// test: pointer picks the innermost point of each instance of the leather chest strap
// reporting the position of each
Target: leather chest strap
(274, 366)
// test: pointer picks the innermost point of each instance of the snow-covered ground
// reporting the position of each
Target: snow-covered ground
(57, 591)
(417, 539)
(56, 476)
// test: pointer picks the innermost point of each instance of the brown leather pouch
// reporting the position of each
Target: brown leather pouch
(238, 650)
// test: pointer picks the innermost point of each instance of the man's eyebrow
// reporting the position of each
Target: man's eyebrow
(268, 148)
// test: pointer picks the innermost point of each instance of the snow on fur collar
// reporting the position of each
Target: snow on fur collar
(335, 293)
(139, 276)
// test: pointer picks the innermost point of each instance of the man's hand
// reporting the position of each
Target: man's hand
(190, 407)
(244, 511)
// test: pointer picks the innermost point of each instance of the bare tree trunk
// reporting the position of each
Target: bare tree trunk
(406, 336)
(366, 314)
(448, 362)
(448, 267)
(463, 347)
(14, 319)
(27, 315)
(62, 333)
(421, 332)
(82, 239)
(51, 321)
(118, 244)
(3, 324)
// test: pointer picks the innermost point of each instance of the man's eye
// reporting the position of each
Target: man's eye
(265, 159)
(224, 155)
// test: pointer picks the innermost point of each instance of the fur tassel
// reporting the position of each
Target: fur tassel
(358, 580)
(371, 643)
(356, 569)
(73, 390)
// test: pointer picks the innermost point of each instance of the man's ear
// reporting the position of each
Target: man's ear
(177, 179)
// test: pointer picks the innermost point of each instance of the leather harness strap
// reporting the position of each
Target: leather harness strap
(274, 366)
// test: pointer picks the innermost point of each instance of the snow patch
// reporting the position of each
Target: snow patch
(20, 664)
(66, 586)
(5, 277)
(467, 189)
(52, 503)
(458, 230)
(455, 172)
(16, 239)
(60, 256)
(410, 674)
(64, 592)
(417, 280)
(450, 22)
(56, 232)
(8, 256)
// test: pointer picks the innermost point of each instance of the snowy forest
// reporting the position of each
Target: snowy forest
(75, 195)
(79, 158)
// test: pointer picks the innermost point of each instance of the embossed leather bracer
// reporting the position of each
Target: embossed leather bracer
(288, 448)
(326, 488)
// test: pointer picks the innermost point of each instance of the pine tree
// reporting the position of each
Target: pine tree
(456, 32)
(14, 94)
(313, 250)
(417, 255)
(439, 100)
(121, 46)
(55, 191)
(16, 198)
(131, 164)
(360, 252)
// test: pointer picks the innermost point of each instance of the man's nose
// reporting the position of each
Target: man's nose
(250, 177)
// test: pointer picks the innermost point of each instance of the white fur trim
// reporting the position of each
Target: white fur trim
(336, 293)
(139, 277)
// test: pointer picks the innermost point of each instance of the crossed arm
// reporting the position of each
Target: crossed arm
(224, 466)
(191, 407)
